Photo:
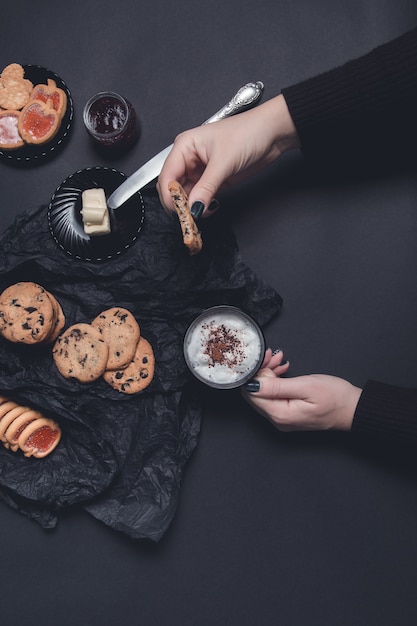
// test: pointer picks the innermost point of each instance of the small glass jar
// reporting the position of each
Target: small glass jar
(111, 120)
(224, 347)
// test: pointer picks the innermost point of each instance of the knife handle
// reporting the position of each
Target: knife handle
(245, 98)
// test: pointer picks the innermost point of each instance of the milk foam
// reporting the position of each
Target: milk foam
(224, 347)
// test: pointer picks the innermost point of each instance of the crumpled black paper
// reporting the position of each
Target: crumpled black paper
(121, 457)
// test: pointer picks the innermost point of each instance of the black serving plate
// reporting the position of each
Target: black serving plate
(32, 153)
(66, 224)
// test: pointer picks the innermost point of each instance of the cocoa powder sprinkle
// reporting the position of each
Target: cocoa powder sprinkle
(223, 346)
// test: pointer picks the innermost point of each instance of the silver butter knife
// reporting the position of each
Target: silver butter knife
(245, 98)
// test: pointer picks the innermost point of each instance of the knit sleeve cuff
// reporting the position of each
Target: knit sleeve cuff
(387, 411)
(350, 105)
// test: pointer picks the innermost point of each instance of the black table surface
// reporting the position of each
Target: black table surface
(271, 528)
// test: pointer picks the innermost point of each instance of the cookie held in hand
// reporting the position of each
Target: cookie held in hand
(190, 233)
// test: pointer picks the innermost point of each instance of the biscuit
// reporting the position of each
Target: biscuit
(8, 418)
(17, 432)
(26, 313)
(38, 110)
(38, 122)
(120, 330)
(5, 407)
(14, 94)
(3, 400)
(9, 132)
(14, 74)
(59, 319)
(12, 71)
(17, 426)
(39, 438)
(138, 374)
(190, 233)
(81, 353)
(50, 92)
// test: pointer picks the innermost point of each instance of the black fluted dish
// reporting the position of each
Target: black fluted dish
(66, 224)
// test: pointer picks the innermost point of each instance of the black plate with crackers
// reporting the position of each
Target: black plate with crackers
(66, 224)
(33, 152)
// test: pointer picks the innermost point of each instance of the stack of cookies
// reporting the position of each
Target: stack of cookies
(112, 347)
(30, 314)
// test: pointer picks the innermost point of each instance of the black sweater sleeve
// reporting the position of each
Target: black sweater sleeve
(388, 412)
(356, 112)
(362, 107)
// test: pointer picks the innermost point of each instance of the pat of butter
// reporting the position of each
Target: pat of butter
(94, 206)
(99, 229)
(95, 213)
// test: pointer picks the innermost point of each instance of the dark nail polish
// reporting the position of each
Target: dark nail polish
(252, 386)
(284, 362)
(197, 209)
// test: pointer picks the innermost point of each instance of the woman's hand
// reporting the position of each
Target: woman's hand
(206, 158)
(312, 402)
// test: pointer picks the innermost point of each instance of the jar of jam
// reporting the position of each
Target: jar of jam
(111, 120)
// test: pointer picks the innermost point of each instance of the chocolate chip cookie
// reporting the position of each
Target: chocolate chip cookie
(80, 352)
(138, 374)
(26, 313)
(120, 330)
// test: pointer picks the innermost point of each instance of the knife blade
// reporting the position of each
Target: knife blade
(245, 98)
